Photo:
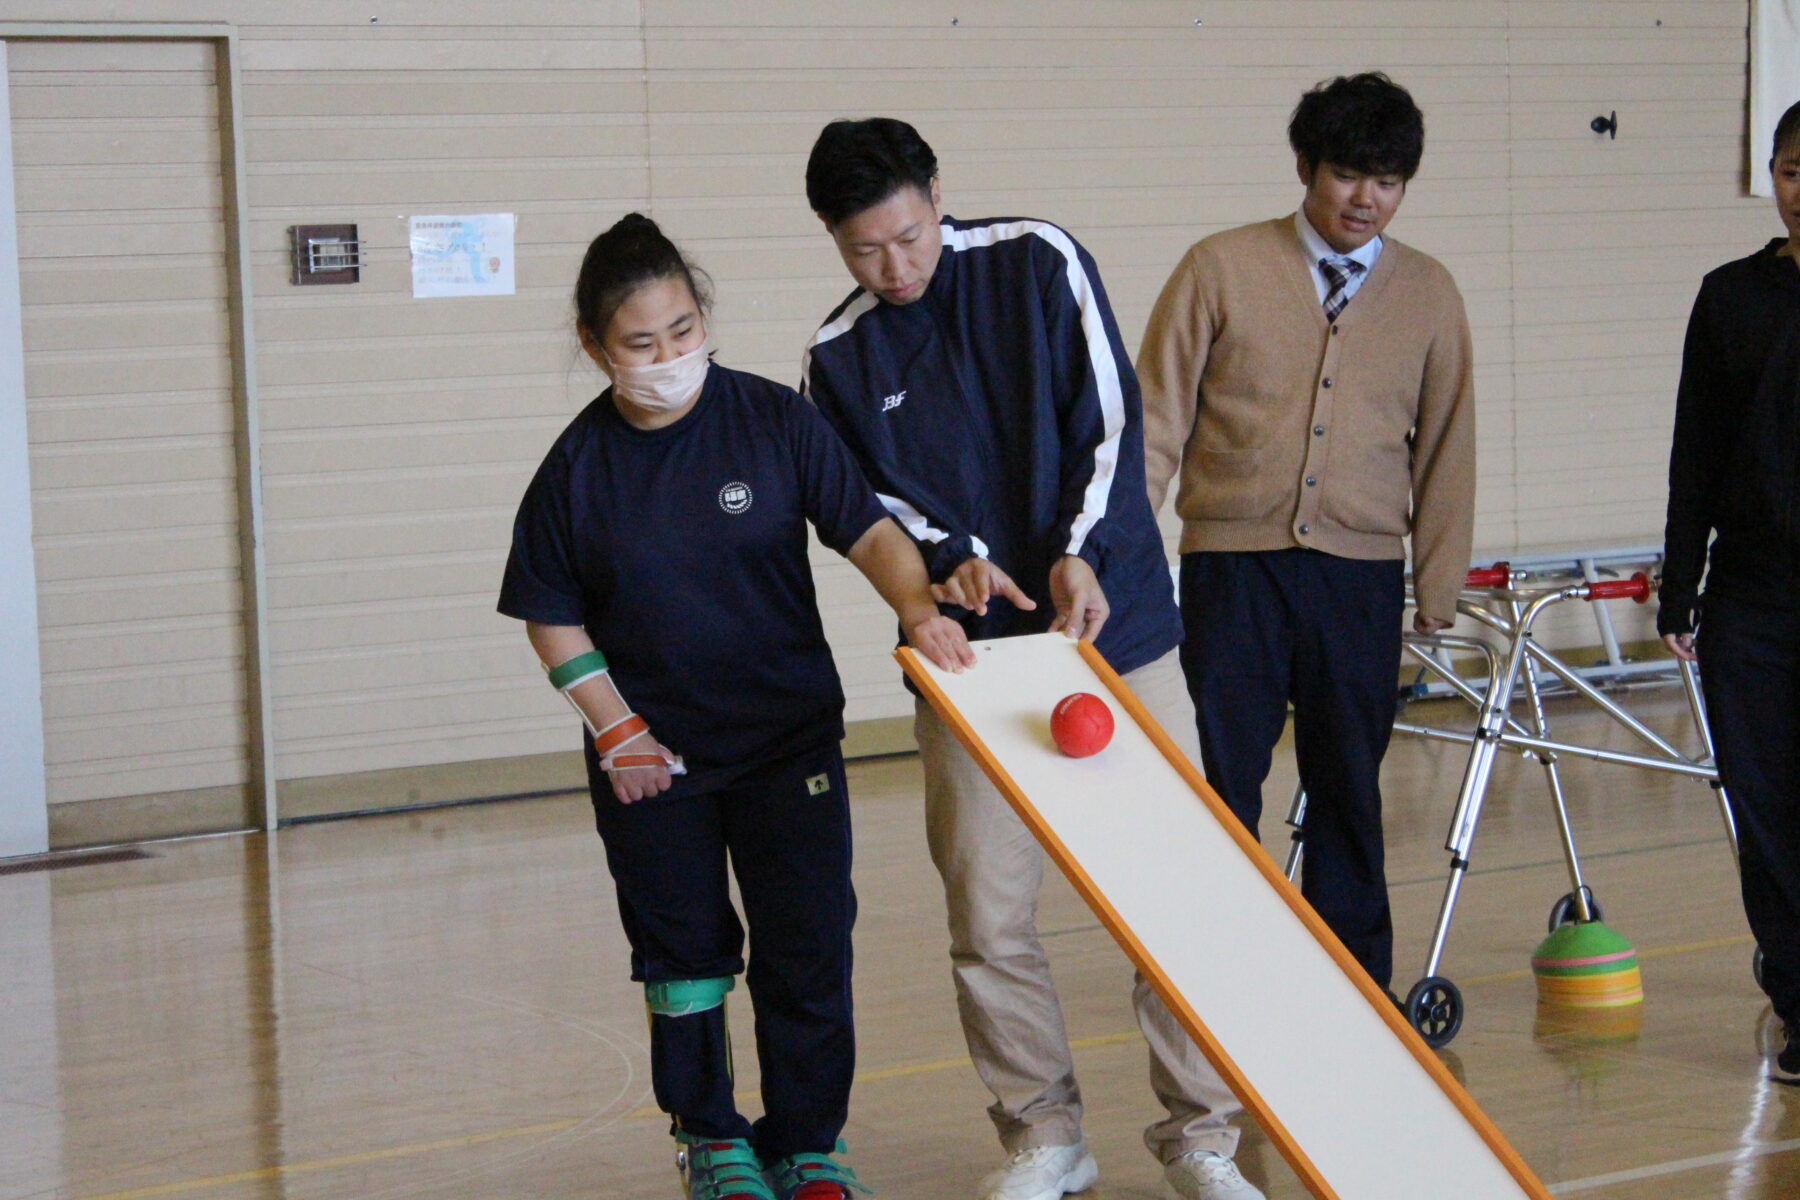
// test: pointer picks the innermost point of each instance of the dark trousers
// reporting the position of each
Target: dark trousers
(786, 830)
(1266, 628)
(1750, 673)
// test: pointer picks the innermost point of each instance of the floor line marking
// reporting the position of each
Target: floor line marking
(1675, 1167)
(342, 1160)
(903, 1070)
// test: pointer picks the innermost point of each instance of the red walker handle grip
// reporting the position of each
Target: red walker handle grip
(1637, 588)
(1498, 575)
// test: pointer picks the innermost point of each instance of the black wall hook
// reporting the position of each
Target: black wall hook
(1609, 125)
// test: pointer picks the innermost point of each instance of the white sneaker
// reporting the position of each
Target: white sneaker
(1207, 1175)
(1043, 1173)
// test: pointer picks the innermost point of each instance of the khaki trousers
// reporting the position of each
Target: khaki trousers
(992, 869)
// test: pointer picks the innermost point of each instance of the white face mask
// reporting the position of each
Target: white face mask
(661, 387)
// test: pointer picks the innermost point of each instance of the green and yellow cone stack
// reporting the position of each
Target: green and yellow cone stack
(1587, 965)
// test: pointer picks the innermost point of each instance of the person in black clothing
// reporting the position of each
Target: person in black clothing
(660, 559)
(1734, 474)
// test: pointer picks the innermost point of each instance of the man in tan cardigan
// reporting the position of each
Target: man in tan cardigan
(1311, 380)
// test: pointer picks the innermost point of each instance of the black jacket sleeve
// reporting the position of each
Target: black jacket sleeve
(1702, 445)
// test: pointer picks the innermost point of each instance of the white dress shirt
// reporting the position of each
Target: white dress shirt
(1317, 248)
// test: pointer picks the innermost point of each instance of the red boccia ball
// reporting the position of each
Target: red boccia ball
(1081, 725)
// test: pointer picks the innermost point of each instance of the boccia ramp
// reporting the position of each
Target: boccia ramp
(1356, 1102)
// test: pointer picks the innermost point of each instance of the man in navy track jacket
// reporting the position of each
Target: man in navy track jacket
(978, 375)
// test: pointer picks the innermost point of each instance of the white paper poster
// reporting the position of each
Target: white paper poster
(1774, 80)
(462, 256)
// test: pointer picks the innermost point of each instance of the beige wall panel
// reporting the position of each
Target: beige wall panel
(311, 48)
(79, 235)
(127, 327)
(428, 401)
(296, 95)
(267, 17)
(389, 714)
(167, 773)
(170, 644)
(88, 281)
(59, 143)
(450, 357)
(397, 492)
(139, 555)
(130, 416)
(141, 507)
(498, 657)
(87, 98)
(178, 414)
(398, 579)
(1608, 85)
(135, 64)
(108, 742)
(330, 318)
(426, 140)
(139, 460)
(1318, 50)
(370, 449)
(1674, 267)
(431, 190)
(63, 373)
(334, 757)
(150, 190)
(346, 13)
(1647, 49)
(414, 620)
(166, 594)
(110, 691)
(391, 545)
(1077, 15)
(1679, 19)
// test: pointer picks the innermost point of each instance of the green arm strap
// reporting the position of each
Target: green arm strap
(576, 669)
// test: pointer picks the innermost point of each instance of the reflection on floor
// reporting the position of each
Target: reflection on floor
(435, 1005)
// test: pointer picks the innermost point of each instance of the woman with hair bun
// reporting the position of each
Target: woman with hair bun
(659, 560)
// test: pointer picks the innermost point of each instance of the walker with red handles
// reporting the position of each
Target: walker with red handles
(1508, 602)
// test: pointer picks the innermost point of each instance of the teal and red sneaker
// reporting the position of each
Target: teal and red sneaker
(815, 1177)
(719, 1168)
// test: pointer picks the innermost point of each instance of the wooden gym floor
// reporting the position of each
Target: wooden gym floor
(436, 1005)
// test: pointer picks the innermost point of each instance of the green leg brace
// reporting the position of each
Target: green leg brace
(684, 997)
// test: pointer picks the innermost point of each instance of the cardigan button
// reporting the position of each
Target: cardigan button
(1306, 529)
(1318, 431)
(1327, 381)
(1311, 480)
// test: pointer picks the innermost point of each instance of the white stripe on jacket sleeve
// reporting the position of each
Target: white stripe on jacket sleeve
(1110, 389)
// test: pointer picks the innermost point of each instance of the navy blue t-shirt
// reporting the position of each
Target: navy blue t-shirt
(683, 553)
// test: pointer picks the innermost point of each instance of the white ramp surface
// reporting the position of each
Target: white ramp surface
(1343, 1085)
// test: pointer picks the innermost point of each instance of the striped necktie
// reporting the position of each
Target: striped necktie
(1338, 270)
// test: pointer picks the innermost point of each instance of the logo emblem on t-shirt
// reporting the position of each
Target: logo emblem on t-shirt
(735, 497)
(893, 401)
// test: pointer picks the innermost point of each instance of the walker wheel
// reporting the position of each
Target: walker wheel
(1435, 1008)
(1756, 968)
(1566, 912)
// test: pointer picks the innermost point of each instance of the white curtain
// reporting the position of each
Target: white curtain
(1774, 79)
